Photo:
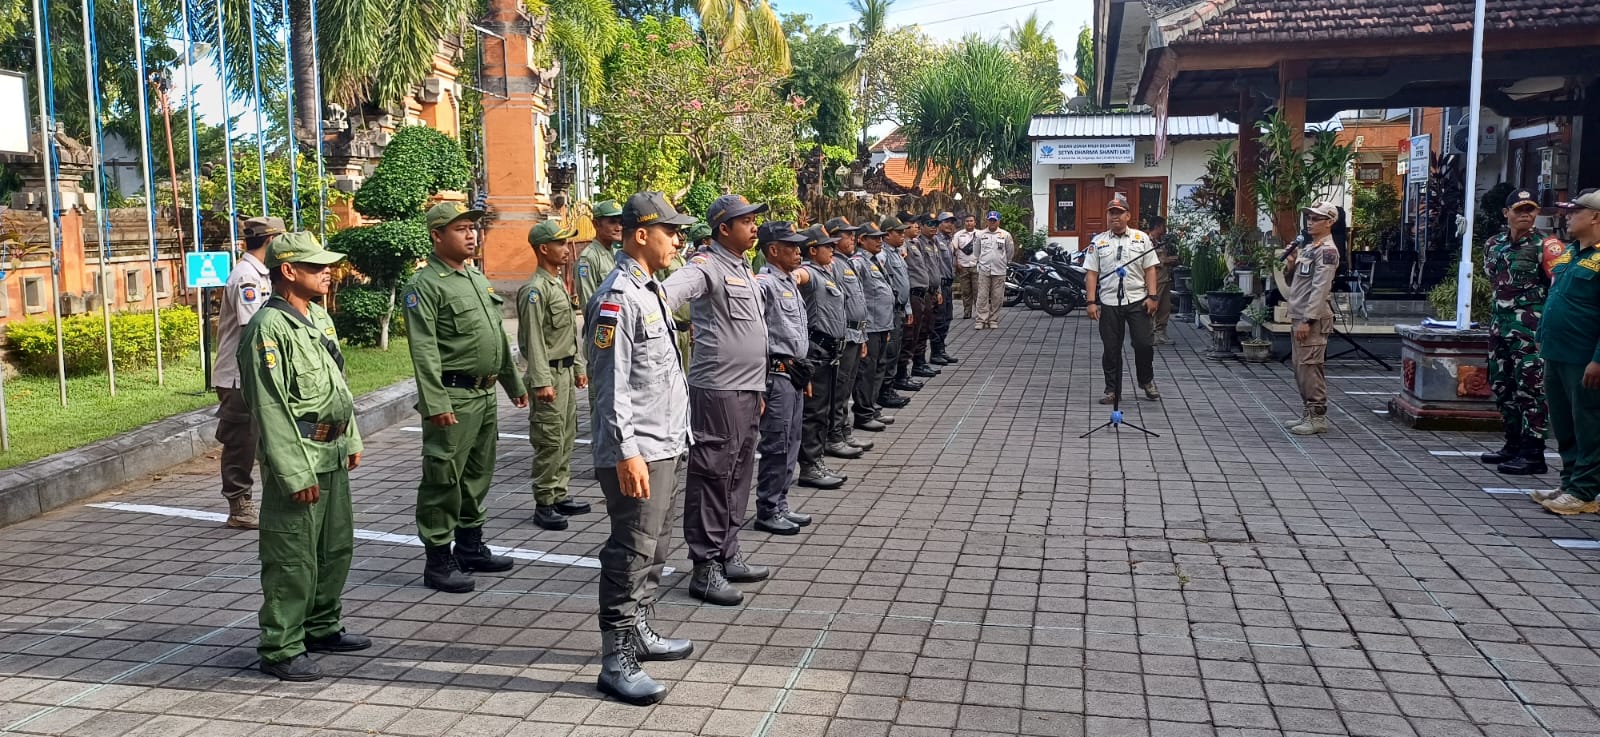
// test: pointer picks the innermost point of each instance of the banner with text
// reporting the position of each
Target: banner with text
(1085, 151)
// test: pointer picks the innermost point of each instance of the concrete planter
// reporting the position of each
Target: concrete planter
(1444, 380)
(1255, 352)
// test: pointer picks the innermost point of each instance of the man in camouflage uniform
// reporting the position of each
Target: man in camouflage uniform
(1517, 263)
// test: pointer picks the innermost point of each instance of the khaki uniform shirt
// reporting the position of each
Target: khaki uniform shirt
(453, 324)
(1311, 281)
(547, 327)
(594, 265)
(1120, 261)
(994, 251)
(245, 292)
(288, 376)
(641, 400)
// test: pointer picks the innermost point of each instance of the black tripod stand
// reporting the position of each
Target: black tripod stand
(1116, 422)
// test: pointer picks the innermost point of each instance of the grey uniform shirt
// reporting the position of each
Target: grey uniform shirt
(945, 253)
(930, 262)
(785, 311)
(246, 290)
(916, 263)
(1120, 261)
(824, 302)
(899, 278)
(730, 338)
(641, 400)
(848, 275)
(880, 294)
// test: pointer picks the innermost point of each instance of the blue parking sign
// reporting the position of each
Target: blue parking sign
(208, 268)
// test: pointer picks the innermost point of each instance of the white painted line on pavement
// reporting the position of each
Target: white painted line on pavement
(1570, 544)
(1476, 453)
(537, 556)
(512, 435)
(1380, 411)
(1507, 492)
(1369, 394)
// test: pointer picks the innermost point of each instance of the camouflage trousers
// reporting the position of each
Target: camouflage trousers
(1516, 374)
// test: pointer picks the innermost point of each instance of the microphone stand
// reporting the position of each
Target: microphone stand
(1117, 421)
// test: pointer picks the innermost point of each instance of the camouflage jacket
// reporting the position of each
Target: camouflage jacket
(1519, 271)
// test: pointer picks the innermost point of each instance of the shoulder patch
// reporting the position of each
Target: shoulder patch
(583, 270)
(249, 293)
(331, 333)
(533, 296)
(700, 259)
(604, 336)
(490, 289)
(413, 299)
(1330, 256)
(269, 357)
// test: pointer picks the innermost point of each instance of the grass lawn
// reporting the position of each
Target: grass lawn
(40, 426)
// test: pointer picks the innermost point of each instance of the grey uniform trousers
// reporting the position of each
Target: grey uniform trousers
(236, 430)
(869, 376)
(818, 413)
(943, 315)
(1134, 321)
(844, 384)
(887, 365)
(633, 557)
(716, 494)
(780, 445)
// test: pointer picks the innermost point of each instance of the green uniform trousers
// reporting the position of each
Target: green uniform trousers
(457, 467)
(1575, 423)
(553, 427)
(305, 559)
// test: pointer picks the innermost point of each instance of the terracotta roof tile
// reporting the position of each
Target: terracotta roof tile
(1238, 21)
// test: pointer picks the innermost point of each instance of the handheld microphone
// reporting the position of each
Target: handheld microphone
(1299, 241)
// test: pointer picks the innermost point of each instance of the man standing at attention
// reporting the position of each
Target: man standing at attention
(1518, 264)
(1310, 271)
(547, 335)
(995, 249)
(825, 328)
(1167, 251)
(600, 257)
(1569, 339)
(881, 318)
(945, 260)
(727, 378)
(966, 264)
(246, 291)
(292, 377)
(893, 261)
(640, 432)
(1121, 286)
(788, 379)
(849, 276)
(459, 352)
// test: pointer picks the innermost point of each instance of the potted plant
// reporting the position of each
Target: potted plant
(1226, 305)
(1256, 348)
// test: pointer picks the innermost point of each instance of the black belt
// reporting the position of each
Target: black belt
(455, 380)
(322, 432)
(919, 291)
(948, 281)
(857, 325)
(567, 362)
(899, 307)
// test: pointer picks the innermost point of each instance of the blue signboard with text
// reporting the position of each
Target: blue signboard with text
(208, 268)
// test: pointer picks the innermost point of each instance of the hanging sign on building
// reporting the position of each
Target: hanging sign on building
(1085, 151)
(1419, 159)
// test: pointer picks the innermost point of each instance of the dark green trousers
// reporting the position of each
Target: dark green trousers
(305, 559)
(553, 428)
(457, 466)
(1575, 423)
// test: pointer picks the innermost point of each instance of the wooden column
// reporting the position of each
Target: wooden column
(1292, 106)
(1244, 197)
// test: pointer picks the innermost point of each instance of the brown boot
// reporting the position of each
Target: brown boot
(242, 513)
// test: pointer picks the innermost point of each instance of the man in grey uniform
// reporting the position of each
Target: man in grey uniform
(945, 255)
(246, 290)
(788, 376)
(727, 379)
(825, 324)
(848, 274)
(913, 348)
(640, 431)
(893, 261)
(881, 318)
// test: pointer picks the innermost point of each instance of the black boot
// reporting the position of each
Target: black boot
(709, 585)
(443, 573)
(648, 645)
(924, 370)
(1506, 452)
(816, 477)
(946, 359)
(572, 507)
(1529, 460)
(893, 401)
(549, 518)
(473, 555)
(620, 674)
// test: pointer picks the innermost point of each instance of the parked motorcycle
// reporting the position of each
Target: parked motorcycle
(1058, 286)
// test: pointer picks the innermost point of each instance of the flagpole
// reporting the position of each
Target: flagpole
(1464, 273)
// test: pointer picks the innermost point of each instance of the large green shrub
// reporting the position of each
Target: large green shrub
(387, 252)
(417, 162)
(361, 313)
(33, 342)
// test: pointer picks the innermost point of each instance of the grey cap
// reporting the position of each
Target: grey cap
(841, 225)
(817, 235)
(652, 208)
(730, 206)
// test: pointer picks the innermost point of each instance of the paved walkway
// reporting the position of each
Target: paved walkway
(985, 572)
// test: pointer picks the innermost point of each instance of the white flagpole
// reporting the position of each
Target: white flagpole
(1464, 274)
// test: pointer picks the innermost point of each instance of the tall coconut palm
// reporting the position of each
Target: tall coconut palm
(580, 34)
(1036, 48)
(747, 26)
(969, 114)
(872, 19)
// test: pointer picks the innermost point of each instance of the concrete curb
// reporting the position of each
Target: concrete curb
(34, 488)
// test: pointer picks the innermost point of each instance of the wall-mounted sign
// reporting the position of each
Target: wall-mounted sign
(1366, 172)
(1419, 162)
(1085, 151)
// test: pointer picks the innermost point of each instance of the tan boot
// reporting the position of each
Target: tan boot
(242, 513)
(1305, 415)
(1566, 504)
(1315, 424)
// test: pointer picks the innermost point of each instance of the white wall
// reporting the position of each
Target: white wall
(1184, 164)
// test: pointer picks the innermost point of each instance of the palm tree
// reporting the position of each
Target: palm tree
(969, 113)
(1036, 48)
(749, 26)
(580, 34)
(872, 19)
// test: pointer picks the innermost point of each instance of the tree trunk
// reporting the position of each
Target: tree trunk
(308, 108)
(383, 325)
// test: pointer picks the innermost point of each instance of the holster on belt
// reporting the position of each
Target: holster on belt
(797, 369)
(824, 348)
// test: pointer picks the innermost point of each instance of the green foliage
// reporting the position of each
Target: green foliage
(749, 29)
(1490, 217)
(1290, 176)
(1084, 57)
(1014, 216)
(887, 69)
(1035, 49)
(700, 197)
(418, 162)
(1374, 216)
(969, 114)
(580, 33)
(1201, 244)
(1029, 242)
(820, 75)
(33, 342)
(837, 155)
(386, 252)
(1489, 220)
(361, 314)
(247, 189)
(1217, 186)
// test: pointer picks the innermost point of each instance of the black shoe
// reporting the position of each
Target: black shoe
(938, 360)
(549, 518)
(650, 646)
(864, 445)
(893, 401)
(572, 507)
(831, 471)
(817, 478)
(778, 525)
(925, 371)
(1529, 461)
(1506, 453)
(883, 418)
(620, 674)
(870, 425)
(709, 585)
(473, 555)
(947, 359)
(735, 569)
(339, 642)
(906, 385)
(298, 669)
(841, 450)
(443, 572)
(798, 518)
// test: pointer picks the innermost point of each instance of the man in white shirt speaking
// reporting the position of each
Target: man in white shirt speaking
(1122, 293)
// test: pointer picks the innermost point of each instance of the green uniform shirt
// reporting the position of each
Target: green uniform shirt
(594, 265)
(453, 324)
(547, 327)
(288, 376)
(1570, 330)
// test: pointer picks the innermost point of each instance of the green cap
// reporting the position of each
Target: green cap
(299, 248)
(446, 213)
(891, 223)
(697, 232)
(607, 209)
(549, 231)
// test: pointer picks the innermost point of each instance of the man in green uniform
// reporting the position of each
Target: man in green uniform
(547, 335)
(292, 376)
(1569, 339)
(1517, 262)
(597, 261)
(459, 352)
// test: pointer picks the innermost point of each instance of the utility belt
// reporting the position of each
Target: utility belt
(567, 362)
(797, 370)
(856, 325)
(919, 292)
(824, 347)
(322, 432)
(454, 380)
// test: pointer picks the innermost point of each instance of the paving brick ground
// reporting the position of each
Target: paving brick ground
(984, 572)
